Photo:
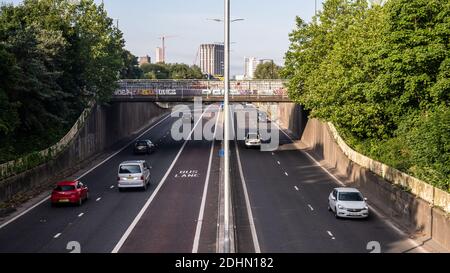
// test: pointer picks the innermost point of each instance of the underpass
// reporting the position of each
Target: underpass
(100, 223)
(286, 192)
(279, 203)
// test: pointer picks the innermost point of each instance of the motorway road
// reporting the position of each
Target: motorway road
(287, 194)
(168, 224)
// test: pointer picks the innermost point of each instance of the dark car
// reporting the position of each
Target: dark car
(144, 147)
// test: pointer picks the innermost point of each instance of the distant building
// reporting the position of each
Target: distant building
(250, 64)
(145, 60)
(212, 59)
(159, 55)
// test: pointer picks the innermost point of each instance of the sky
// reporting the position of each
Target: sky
(263, 34)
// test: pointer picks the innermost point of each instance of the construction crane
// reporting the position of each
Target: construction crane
(163, 45)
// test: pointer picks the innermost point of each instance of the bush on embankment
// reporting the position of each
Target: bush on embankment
(381, 75)
(55, 57)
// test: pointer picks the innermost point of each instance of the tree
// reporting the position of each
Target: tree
(131, 69)
(267, 70)
(171, 71)
(55, 56)
(380, 73)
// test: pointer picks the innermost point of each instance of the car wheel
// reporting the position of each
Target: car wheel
(336, 213)
(80, 201)
(329, 208)
(144, 188)
(87, 196)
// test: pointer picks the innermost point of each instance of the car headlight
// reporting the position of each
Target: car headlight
(340, 207)
(366, 208)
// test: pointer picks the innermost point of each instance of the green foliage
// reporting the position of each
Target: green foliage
(171, 71)
(267, 70)
(131, 69)
(381, 74)
(55, 56)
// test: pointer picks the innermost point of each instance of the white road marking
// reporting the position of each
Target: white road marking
(285, 173)
(338, 181)
(84, 174)
(81, 214)
(198, 229)
(149, 201)
(273, 153)
(112, 187)
(331, 235)
(278, 162)
(310, 207)
(247, 200)
(57, 235)
(98, 199)
(296, 188)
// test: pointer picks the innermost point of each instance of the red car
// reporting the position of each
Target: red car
(73, 192)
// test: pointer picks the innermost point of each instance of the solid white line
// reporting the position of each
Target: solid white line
(57, 235)
(382, 218)
(310, 207)
(123, 148)
(98, 199)
(90, 170)
(247, 201)
(24, 212)
(198, 230)
(149, 201)
(81, 214)
(296, 188)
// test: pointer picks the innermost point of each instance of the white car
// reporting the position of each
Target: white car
(348, 203)
(133, 174)
(252, 140)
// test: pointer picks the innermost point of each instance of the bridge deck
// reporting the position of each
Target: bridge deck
(177, 98)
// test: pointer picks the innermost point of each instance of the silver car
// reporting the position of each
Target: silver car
(252, 140)
(133, 174)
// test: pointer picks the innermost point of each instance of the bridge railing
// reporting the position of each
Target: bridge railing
(200, 88)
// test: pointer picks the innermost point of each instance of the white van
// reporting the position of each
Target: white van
(133, 174)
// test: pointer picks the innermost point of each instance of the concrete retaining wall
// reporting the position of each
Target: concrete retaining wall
(414, 212)
(105, 129)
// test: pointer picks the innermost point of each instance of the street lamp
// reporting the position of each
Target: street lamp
(227, 127)
(226, 111)
(220, 20)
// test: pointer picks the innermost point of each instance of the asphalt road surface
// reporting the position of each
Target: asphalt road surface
(279, 197)
(287, 195)
(168, 224)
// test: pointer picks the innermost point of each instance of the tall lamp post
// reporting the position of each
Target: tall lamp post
(227, 130)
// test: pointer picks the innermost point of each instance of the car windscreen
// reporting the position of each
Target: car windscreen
(350, 196)
(253, 136)
(65, 188)
(141, 143)
(129, 169)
